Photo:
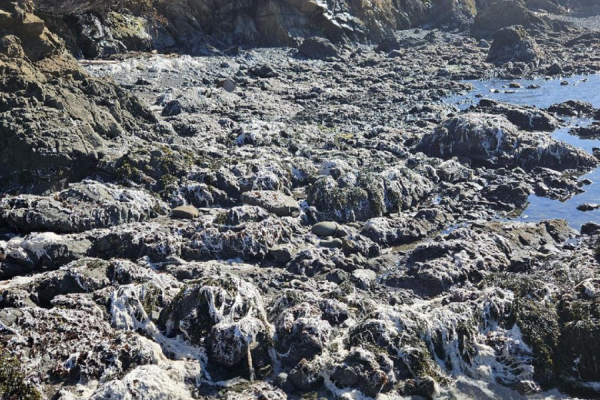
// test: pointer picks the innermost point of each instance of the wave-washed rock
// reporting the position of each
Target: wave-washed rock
(269, 224)
(493, 140)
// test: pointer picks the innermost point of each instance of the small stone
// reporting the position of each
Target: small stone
(564, 83)
(484, 44)
(282, 253)
(185, 212)
(172, 108)
(228, 84)
(515, 85)
(332, 243)
(325, 228)
(364, 274)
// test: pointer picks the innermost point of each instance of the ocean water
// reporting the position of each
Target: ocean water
(584, 88)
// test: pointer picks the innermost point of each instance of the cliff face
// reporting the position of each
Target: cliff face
(188, 24)
(56, 121)
(101, 28)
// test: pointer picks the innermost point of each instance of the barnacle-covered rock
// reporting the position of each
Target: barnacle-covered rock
(493, 140)
(83, 206)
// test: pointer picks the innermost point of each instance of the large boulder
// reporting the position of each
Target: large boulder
(228, 313)
(513, 44)
(505, 13)
(524, 117)
(318, 48)
(368, 195)
(493, 140)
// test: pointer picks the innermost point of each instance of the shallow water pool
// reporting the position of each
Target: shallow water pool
(584, 88)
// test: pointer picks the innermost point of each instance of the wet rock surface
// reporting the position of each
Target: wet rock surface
(287, 222)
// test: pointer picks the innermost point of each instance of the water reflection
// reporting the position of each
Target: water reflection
(549, 92)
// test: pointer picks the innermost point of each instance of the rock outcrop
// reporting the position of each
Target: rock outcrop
(513, 44)
(57, 122)
(505, 13)
(494, 141)
(274, 226)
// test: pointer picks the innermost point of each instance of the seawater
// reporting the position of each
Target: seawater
(584, 88)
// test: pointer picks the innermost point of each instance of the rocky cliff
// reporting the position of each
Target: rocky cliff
(57, 122)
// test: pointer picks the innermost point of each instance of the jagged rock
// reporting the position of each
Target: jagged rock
(368, 196)
(580, 312)
(242, 214)
(62, 334)
(573, 108)
(37, 110)
(405, 228)
(172, 108)
(81, 207)
(467, 255)
(41, 251)
(555, 69)
(252, 242)
(264, 71)
(591, 131)
(282, 253)
(368, 372)
(493, 140)
(590, 228)
(300, 330)
(526, 118)
(514, 193)
(229, 314)
(272, 201)
(115, 33)
(513, 44)
(11, 46)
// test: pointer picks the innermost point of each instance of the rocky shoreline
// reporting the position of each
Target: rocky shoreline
(313, 221)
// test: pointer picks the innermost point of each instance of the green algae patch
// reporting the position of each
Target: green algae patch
(13, 384)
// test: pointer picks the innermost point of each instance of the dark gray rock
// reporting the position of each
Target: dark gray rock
(493, 140)
(318, 48)
(513, 44)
